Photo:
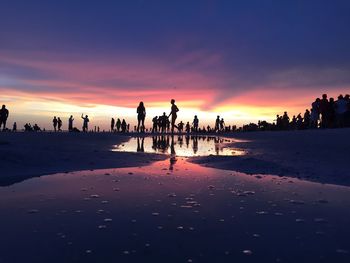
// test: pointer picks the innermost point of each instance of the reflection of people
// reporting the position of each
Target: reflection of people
(173, 159)
(195, 144)
(173, 114)
(140, 147)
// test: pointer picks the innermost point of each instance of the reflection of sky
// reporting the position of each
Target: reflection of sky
(185, 146)
(146, 210)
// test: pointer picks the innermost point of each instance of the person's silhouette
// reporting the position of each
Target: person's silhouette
(141, 115)
(85, 122)
(217, 124)
(118, 125)
(70, 123)
(54, 122)
(173, 114)
(195, 123)
(4, 114)
(59, 123)
(112, 124)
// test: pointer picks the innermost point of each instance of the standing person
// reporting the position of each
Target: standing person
(340, 110)
(324, 110)
(85, 123)
(155, 124)
(141, 115)
(55, 122)
(217, 123)
(195, 123)
(315, 113)
(180, 126)
(118, 124)
(173, 113)
(112, 124)
(222, 124)
(123, 126)
(59, 124)
(14, 127)
(70, 123)
(188, 127)
(4, 114)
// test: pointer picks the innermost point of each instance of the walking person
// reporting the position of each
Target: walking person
(173, 114)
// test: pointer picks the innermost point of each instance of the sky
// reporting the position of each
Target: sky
(243, 60)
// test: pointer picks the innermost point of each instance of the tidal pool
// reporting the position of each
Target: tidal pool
(181, 145)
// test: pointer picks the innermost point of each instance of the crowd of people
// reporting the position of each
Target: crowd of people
(324, 113)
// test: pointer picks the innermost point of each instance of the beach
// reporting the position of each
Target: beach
(315, 155)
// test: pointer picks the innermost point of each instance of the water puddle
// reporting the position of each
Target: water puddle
(181, 145)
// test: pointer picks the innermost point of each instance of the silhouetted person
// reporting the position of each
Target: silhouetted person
(217, 124)
(112, 124)
(141, 115)
(341, 109)
(188, 127)
(54, 122)
(4, 114)
(285, 121)
(118, 124)
(195, 123)
(163, 120)
(14, 128)
(85, 123)
(59, 123)
(324, 110)
(173, 114)
(36, 128)
(70, 123)
(155, 124)
(180, 126)
(331, 113)
(307, 119)
(299, 122)
(222, 125)
(123, 126)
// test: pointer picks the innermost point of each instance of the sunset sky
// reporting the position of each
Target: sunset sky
(243, 60)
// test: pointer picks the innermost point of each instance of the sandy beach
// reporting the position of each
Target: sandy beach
(315, 155)
(109, 197)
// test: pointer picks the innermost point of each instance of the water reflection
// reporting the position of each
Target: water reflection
(181, 145)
